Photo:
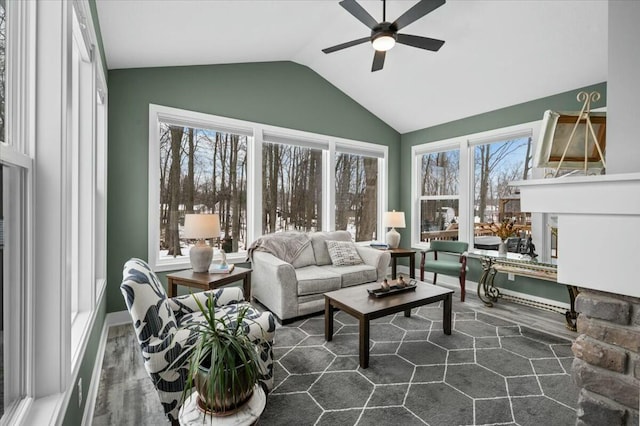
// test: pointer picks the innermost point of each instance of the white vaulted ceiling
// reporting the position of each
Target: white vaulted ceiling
(496, 53)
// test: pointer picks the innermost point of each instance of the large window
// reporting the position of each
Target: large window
(356, 195)
(84, 180)
(495, 165)
(202, 170)
(260, 179)
(3, 68)
(291, 188)
(3, 35)
(15, 165)
(439, 201)
(461, 188)
(52, 203)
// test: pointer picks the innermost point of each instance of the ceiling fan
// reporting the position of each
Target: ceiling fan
(384, 35)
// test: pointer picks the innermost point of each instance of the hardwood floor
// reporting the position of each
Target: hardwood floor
(127, 397)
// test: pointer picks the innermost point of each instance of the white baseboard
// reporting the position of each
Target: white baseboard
(471, 286)
(118, 318)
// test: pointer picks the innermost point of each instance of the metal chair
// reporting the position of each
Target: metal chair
(457, 268)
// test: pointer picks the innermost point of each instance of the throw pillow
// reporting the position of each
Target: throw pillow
(343, 253)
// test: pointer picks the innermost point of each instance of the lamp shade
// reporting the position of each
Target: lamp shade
(201, 226)
(394, 219)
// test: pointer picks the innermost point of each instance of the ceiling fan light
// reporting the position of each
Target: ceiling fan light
(383, 42)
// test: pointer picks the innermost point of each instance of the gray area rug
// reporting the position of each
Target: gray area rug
(487, 372)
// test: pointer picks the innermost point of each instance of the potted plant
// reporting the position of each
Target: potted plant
(223, 363)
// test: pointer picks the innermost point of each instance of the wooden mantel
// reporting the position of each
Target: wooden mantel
(598, 228)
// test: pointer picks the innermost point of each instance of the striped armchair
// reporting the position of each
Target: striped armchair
(165, 344)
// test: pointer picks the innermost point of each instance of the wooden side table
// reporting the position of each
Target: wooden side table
(400, 252)
(191, 414)
(207, 281)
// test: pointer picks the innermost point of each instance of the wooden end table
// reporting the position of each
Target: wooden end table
(400, 252)
(208, 281)
(357, 302)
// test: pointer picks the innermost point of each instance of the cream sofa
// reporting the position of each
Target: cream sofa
(296, 288)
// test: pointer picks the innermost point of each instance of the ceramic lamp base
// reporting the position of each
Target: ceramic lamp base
(201, 255)
(393, 238)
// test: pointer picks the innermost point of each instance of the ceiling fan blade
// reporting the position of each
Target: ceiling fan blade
(418, 11)
(420, 42)
(361, 15)
(345, 45)
(378, 60)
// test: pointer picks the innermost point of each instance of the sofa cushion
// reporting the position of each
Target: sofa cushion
(343, 253)
(305, 258)
(319, 243)
(314, 279)
(355, 274)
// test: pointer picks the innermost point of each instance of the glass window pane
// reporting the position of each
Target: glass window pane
(440, 173)
(291, 188)
(202, 171)
(497, 164)
(12, 285)
(3, 68)
(5, 343)
(357, 195)
(438, 220)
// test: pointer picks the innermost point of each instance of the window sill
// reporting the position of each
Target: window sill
(184, 263)
(42, 411)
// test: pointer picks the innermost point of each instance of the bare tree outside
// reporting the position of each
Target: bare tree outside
(5, 335)
(439, 202)
(357, 195)
(292, 188)
(496, 164)
(172, 236)
(3, 68)
(202, 171)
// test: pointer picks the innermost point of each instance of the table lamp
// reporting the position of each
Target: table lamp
(394, 220)
(200, 227)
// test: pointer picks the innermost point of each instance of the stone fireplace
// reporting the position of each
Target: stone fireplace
(598, 223)
(607, 358)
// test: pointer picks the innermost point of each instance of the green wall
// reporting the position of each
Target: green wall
(277, 93)
(516, 114)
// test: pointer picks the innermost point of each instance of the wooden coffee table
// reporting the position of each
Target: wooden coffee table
(357, 302)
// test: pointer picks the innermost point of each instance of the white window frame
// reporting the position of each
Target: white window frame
(466, 145)
(55, 344)
(417, 152)
(16, 154)
(85, 145)
(259, 133)
(100, 188)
